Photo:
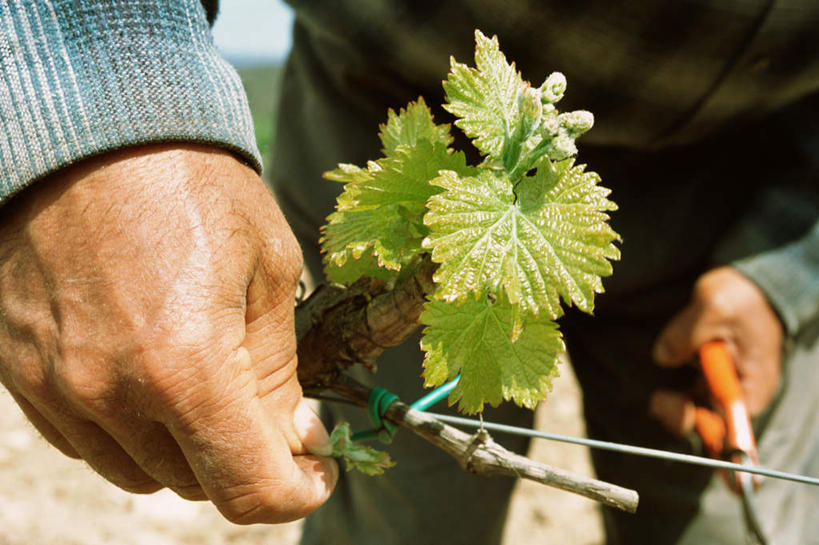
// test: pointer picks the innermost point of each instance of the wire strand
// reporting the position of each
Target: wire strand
(438, 394)
(627, 449)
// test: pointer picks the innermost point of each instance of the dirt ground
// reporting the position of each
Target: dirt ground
(48, 499)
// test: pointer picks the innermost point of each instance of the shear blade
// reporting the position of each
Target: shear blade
(749, 507)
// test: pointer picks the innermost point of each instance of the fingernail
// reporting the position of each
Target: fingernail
(311, 431)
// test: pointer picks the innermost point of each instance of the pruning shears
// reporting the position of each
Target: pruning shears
(728, 434)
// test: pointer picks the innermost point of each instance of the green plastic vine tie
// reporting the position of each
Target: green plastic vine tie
(380, 401)
(435, 395)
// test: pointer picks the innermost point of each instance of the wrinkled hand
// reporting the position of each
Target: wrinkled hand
(726, 306)
(146, 326)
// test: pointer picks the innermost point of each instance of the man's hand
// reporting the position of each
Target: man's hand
(725, 306)
(146, 326)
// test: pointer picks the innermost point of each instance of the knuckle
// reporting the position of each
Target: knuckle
(724, 294)
(285, 260)
(262, 504)
(29, 378)
(117, 468)
(291, 271)
(148, 486)
(272, 500)
(190, 492)
(81, 386)
(166, 463)
(159, 371)
(720, 305)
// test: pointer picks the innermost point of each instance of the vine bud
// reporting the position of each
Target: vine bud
(577, 122)
(550, 125)
(529, 102)
(553, 88)
(530, 109)
(561, 147)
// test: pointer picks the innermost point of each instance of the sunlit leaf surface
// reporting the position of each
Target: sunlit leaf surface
(475, 341)
(378, 223)
(545, 245)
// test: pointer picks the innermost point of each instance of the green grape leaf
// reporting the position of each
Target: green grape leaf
(365, 459)
(498, 353)
(378, 227)
(347, 174)
(543, 245)
(512, 123)
(379, 216)
(486, 99)
(410, 126)
(349, 255)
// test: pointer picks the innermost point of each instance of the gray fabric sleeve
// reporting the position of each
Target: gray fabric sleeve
(786, 223)
(82, 77)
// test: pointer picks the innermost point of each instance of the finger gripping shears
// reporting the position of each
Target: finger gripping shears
(727, 434)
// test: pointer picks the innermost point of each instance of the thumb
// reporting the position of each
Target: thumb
(271, 342)
(676, 344)
(311, 431)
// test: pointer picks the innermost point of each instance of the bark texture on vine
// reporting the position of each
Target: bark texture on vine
(337, 327)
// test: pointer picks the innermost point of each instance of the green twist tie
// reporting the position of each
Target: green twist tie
(380, 401)
(435, 395)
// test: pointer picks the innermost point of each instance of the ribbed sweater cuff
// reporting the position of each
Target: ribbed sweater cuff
(82, 77)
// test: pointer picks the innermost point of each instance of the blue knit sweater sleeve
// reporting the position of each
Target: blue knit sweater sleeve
(82, 77)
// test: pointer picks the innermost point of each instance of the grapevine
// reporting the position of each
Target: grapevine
(512, 239)
(483, 256)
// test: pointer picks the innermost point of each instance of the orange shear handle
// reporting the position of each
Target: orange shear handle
(729, 435)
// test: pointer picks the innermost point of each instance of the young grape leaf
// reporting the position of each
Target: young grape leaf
(410, 126)
(538, 247)
(380, 214)
(475, 340)
(357, 456)
(486, 99)
(514, 124)
(377, 226)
